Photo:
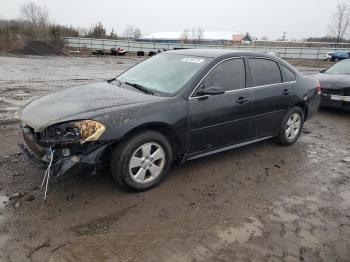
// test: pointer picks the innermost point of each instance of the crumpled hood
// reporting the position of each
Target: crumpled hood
(69, 103)
(334, 81)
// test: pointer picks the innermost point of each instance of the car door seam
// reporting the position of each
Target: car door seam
(232, 121)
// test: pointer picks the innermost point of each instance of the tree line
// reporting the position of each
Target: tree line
(34, 22)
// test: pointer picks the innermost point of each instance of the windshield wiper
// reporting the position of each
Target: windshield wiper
(140, 87)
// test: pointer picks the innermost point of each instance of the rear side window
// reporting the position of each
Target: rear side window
(230, 75)
(265, 72)
(287, 74)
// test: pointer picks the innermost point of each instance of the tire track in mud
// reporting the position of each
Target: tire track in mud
(100, 225)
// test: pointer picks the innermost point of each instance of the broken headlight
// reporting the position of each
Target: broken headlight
(90, 130)
(82, 131)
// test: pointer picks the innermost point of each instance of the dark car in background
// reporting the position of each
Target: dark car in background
(340, 55)
(174, 106)
(335, 85)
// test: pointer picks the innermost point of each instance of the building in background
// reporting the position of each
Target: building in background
(207, 37)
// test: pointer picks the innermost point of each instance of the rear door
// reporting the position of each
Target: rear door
(219, 120)
(272, 96)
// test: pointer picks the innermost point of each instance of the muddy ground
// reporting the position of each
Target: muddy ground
(263, 202)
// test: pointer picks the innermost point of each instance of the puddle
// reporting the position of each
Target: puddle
(224, 238)
(3, 240)
(3, 237)
(3, 201)
(241, 234)
(282, 215)
(345, 195)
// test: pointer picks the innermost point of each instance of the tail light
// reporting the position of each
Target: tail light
(318, 88)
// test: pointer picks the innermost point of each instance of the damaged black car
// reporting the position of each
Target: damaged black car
(175, 106)
(335, 85)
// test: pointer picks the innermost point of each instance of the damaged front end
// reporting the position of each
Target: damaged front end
(66, 147)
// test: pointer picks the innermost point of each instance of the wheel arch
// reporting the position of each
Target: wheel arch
(305, 109)
(166, 130)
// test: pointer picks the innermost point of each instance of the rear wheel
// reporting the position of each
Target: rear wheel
(142, 161)
(291, 127)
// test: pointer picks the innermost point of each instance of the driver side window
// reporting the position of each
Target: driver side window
(229, 75)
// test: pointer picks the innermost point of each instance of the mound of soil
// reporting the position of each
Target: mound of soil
(41, 48)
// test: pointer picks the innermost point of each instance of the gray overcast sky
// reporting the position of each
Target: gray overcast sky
(299, 18)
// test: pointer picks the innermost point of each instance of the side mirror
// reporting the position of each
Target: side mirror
(323, 71)
(211, 90)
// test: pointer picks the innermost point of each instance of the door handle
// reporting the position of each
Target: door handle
(285, 92)
(242, 100)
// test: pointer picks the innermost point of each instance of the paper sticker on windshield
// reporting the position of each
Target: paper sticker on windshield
(193, 60)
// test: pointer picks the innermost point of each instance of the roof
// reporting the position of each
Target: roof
(211, 52)
(207, 35)
(216, 53)
(225, 53)
(238, 38)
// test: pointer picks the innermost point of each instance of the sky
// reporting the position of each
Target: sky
(270, 18)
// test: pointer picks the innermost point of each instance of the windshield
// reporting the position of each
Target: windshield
(342, 67)
(164, 73)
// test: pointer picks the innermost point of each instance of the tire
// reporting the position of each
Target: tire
(287, 136)
(143, 172)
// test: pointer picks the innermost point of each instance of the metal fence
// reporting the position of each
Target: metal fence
(135, 46)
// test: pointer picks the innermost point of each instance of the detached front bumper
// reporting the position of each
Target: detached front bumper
(86, 161)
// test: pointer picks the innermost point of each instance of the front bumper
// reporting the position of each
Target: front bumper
(336, 98)
(77, 163)
(335, 101)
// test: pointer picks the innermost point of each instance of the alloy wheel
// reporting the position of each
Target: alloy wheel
(293, 126)
(147, 163)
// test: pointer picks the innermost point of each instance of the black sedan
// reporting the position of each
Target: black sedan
(175, 106)
(335, 85)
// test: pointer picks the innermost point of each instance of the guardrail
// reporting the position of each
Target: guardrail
(135, 46)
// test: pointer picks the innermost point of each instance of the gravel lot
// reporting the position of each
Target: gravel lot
(262, 202)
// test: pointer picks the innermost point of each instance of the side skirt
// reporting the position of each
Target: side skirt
(222, 149)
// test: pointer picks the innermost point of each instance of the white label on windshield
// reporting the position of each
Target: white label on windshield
(193, 60)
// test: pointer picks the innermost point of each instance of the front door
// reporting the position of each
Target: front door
(224, 119)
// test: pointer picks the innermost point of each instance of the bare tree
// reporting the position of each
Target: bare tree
(193, 34)
(136, 34)
(35, 15)
(341, 22)
(200, 34)
(185, 36)
(129, 31)
(113, 34)
(97, 31)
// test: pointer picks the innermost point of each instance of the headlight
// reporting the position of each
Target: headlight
(79, 131)
(89, 130)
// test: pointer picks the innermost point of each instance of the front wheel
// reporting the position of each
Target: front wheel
(142, 161)
(291, 127)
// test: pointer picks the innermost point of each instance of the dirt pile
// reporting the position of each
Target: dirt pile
(41, 48)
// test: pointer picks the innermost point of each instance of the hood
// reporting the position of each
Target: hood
(334, 81)
(70, 103)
